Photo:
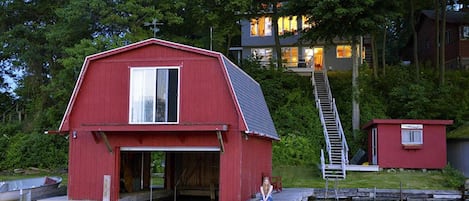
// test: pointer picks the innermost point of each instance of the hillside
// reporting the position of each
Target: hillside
(394, 95)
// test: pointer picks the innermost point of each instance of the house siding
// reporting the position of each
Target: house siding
(331, 61)
(456, 54)
(391, 153)
(101, 103)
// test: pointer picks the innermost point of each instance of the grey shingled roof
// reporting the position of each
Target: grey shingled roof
(251, 102)
(457, 17)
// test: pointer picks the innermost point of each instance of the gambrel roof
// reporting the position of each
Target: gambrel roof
(246, 92)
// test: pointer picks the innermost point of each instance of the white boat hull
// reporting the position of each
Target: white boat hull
(35, 187)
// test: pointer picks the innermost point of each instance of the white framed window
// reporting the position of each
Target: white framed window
(465, 32)
(290, 56)
(263, 55)
(412, 134)
(305, 24)
(287, 25)
(261, 26)
(154, 95)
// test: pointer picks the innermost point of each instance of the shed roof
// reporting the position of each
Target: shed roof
(407, 121)
(456, 17)
(247, 93)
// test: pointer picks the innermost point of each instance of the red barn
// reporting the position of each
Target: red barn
(203, 117)
(406, 143)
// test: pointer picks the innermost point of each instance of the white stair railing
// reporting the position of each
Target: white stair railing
(345, 147)
(338, 124)
(324, 130)
(323, 164)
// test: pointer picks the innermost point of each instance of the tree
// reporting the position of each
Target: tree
(347, 20)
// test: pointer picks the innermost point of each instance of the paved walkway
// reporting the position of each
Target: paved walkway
(290, 194)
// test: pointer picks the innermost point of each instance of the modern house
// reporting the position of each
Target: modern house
(257, 41)
(407, 143)
(203, 114)
(456, 41)
(458, 149)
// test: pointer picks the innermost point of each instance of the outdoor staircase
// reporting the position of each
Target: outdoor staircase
(334, 168)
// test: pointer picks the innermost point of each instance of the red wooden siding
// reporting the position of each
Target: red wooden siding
(106, 87)
(206, 105)
(257, 157)
(391, 153)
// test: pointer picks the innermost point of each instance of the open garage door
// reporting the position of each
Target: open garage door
(176, 173)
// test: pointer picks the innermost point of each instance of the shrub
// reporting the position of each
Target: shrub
(454, 178)
(36, 150)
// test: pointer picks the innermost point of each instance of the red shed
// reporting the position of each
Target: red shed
(407, 143)
(189, 112)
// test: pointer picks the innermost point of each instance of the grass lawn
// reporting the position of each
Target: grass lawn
(310, 177)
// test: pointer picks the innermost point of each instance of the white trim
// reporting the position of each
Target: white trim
(238, 105)
(178, 93)
(150, 41)
(75, 91)
(147, 148)
(412, 126)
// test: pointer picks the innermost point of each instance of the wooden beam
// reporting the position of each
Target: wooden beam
(220, 140)
(106, 141)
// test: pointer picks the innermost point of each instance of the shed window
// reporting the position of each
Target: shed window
(154, 95)
(412, 134)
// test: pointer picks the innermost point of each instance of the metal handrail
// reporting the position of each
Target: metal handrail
(343, 156)
(324, 130)
(326, 82)
(341, 130)
(321, 117)
(323, 164)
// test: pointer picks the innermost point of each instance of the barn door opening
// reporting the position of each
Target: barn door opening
(195, 175)
(169, 174)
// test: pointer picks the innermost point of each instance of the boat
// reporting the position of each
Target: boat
(33, 188)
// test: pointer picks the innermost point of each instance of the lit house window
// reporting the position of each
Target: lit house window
(465, 32)
(263, 55)
(412, 134)
(154, 95)
(305, 24)
(344, 51)
(287, 25)
(308, 54)
(261, 26)
(290, 56)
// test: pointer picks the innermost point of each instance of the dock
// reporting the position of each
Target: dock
(307, 194)
(290, 194)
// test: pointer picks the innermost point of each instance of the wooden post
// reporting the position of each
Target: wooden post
(107, 188)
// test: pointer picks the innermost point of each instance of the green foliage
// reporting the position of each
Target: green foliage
(36, 150)
(453, 178)
(292, 107)
(398, 95)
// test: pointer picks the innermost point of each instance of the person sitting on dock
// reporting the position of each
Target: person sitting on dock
(266, 190)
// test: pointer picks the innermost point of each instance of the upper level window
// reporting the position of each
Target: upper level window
(261, 26)
(412, 134)
(344, 51)
(287, 25)
(305, 24)
(154, 95)
(465, 32)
